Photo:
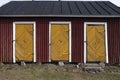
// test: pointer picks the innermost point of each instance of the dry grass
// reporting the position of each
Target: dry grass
(54, 72)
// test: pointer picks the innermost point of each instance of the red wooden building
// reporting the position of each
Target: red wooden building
(72, 31)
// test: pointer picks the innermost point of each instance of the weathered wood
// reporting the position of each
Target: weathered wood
(92, 67)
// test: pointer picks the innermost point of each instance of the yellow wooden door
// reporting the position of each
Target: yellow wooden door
(24, 42)
(95, 43)
(59, 41)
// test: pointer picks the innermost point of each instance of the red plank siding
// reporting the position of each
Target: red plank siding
(114, 40)
(77, 40)
(42, 37)
(5, 40)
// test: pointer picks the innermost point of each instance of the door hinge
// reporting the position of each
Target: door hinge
(49, 44)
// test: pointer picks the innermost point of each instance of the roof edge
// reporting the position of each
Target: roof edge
(59, 15)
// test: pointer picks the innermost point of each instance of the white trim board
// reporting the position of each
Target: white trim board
(106, 39)
(70, 37)
(14, 38)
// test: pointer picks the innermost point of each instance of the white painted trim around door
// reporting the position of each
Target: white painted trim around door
(106, 39)
(14, 38)
(70, 37)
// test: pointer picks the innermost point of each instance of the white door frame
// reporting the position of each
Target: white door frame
(70, 37)
(34, 38)
(106, 39)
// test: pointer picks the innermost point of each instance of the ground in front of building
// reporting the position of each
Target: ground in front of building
(55, 72)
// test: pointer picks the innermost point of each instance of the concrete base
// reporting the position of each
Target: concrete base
(80, 65)
(61, 63)
(22, 63)
(1, 64)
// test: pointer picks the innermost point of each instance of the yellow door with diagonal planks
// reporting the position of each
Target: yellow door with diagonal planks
(95, 35)
(24, 42)
(59, 42)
